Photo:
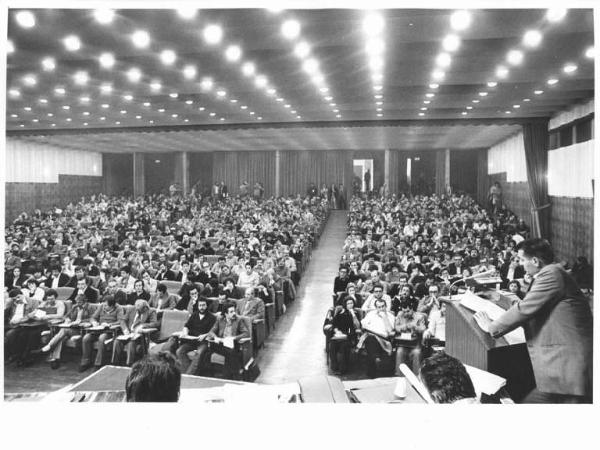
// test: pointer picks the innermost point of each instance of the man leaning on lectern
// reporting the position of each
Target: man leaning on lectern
(558, 325)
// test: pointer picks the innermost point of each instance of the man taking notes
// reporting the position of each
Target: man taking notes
(558, 327)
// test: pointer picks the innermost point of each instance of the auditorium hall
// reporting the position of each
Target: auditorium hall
(319, 204)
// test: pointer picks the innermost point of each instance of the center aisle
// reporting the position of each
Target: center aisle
(297, 346)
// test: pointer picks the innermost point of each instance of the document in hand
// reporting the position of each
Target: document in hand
(485, 382)
(476, 303)
(228, 342)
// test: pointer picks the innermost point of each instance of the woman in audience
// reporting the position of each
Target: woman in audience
(345, 325)
(515, 288)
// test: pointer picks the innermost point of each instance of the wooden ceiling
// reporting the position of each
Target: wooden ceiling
(293, 89)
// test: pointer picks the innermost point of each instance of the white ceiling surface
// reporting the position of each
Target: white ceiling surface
(426, 137)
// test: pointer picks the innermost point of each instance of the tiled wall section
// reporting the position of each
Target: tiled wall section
(515, 195)
(27, 197)
(572, 227)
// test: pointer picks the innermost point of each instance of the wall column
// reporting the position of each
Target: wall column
(447, 170)
(277, 173)
(386, 172)
(139, 181)
(182, 171)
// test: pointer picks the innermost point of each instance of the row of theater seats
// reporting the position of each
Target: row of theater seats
(172, 321)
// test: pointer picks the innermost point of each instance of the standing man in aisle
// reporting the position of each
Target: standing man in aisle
(558, 327)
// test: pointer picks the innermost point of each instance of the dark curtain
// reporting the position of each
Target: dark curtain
(535, 137)
(300, 168)
(440, 172)
(252, 166)
(394, 172)
(482, 177)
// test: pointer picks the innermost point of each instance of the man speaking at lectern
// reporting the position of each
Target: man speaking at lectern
(558, 328)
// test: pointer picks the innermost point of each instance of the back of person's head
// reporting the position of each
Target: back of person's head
(540, 248)
(162, 288)
(446, 378)
(156, 378)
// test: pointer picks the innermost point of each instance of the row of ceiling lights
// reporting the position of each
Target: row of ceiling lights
(373, 26)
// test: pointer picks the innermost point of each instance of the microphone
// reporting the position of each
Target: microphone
(472, 277)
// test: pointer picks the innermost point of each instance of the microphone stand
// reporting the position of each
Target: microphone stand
(472, 277)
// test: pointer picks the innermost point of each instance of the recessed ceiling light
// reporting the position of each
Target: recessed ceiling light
(128, 97)
(102, 118)
(10, 47)
(492, 83)
(556, 14)
(59, 91)
(25, 19)
(421, 114)
(85, 113)
(259, 118)
(65, 107)
(290, 29)
(243, 107)
(107, 60)
(514, 57)
(377, 96)
(50, 114)
(206, 84)
(379, 103)
(251, 113)
(233, 53)
(336, 110)
(81, 77)
(248, 69)
(376, 64)
(189, 102)
(186, 120)
(460, 20)
(52, 124)
(260, 81)
(28, 108)
(287, 106)
(326, 89)
(378, 109)
(569, 68)
(434, 86)
(532, 38)
(379, 115)
(302, 49)
(293, 111)
(469, 107)
(526, 100)
(222, 119)
(589, 53)
(161, 110)
(373, 24)
(22, 125)
(30, 80)
(189, 72)
(483, 94)
(173, 95)
(424, 108)
(221, 93)
(338, 116)
(187, 13)
(105, 105)
(516, 106)
(438, 74)
(375, 46)
(318, 79)
(212, 34)
(310, 66)
(464, 113)
(138, 117)
(378, 87)
(168, 57)
(538, 92)
(507, 112)
(430, 95)
(377, 77)
(72, 43)
(552, 81)
(443, 60)
(43, 100)
(106, 88)
(104, 16)
(85, 124)
(212, 114)
(146, 104)
(117, 123)
(48, 64)
(174, 115)
(451, 43)
(298, 117)
(271, 91)
(140, 38)
(35, 120)
(474, 101)
(501, 72)
(426, 102)
(134, 74)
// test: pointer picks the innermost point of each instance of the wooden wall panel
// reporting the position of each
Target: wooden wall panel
(572, 227)
(516, 196)
(27, 197)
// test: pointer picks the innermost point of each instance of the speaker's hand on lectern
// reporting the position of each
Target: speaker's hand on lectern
(483, 320)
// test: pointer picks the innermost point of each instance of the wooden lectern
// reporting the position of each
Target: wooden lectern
(472, 346)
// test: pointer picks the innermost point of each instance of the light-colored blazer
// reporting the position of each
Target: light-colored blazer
(558, 327)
